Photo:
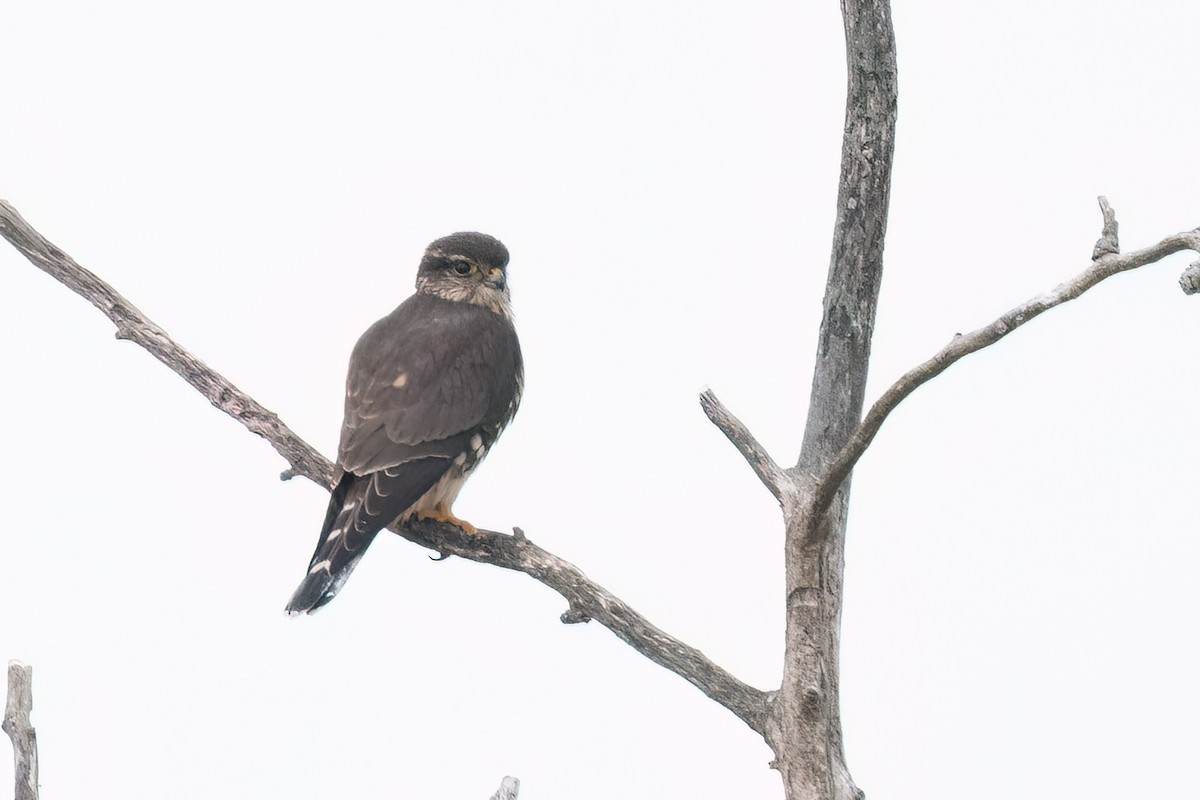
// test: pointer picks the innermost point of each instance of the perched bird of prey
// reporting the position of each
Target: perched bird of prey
(430, 388)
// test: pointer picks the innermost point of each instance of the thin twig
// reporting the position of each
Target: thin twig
(16, 725)
(586, 599)
(770, 473)
(963, 345)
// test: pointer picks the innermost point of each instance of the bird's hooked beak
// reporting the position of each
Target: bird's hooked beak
(496, 279)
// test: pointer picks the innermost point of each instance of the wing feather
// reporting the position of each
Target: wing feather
(424, 381)
(422, 377)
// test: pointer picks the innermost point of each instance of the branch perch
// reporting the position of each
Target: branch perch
(20, 731)
(1108, 262)
(135, 326)
(587, 600)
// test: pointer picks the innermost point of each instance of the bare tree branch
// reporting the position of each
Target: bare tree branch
(17, 726)
(771, 474)
(587, 600)
(1105, 266)
(135, 326)
(509, 787)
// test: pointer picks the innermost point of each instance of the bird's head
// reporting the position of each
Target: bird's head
(467, 268)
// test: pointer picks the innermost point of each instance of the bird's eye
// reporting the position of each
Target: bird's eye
(463, 268)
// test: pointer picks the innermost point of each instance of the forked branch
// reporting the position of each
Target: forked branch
(1107, 262)
(586, 599)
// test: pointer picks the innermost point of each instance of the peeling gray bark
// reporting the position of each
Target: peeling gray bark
(20, 731)
(805, 724)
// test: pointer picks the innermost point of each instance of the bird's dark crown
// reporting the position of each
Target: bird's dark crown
(483, 250)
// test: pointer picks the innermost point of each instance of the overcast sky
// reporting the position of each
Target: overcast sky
(261, 178)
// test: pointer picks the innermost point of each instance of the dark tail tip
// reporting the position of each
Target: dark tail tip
(321, 585)
(314, 591)
(310, 596)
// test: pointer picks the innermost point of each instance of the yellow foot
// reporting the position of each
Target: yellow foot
(441, 513)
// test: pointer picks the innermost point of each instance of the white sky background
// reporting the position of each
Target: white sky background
(261, 179)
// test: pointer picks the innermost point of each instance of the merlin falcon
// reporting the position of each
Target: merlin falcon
(431, 387)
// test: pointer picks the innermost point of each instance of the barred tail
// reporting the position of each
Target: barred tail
(359, 508)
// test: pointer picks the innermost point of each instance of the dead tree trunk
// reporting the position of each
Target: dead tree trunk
(801, 719)
(806, 733)
(16, 724)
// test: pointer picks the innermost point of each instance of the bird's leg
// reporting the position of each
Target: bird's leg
(441, 513)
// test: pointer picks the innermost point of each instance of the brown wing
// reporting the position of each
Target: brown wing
(423, 382)
(423, 377)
